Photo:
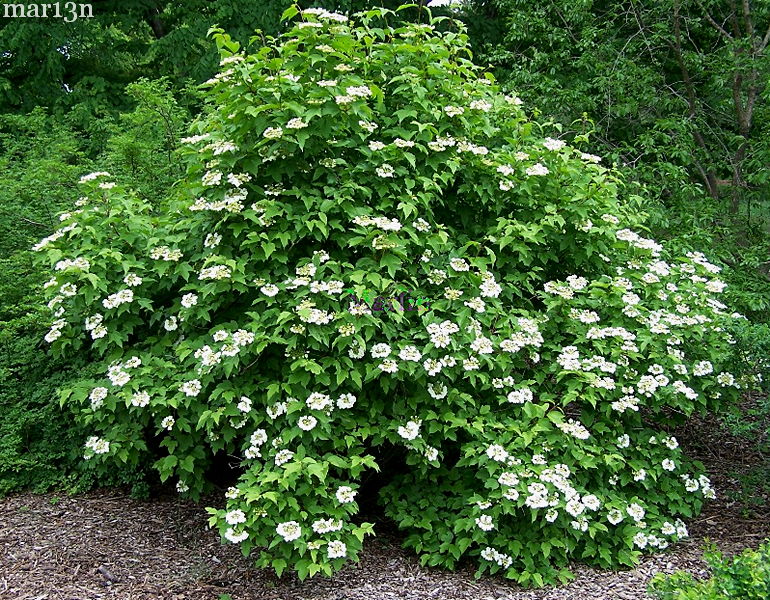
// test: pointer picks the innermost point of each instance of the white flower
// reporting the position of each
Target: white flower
(508, 479)
(553, 144)
(410, 353)
(131, 280)
(191, 388)
(326, 525)
(170, 324)
(635, 511)
(189, 300)
(345, 494)
(52, 335)
(269, 290)
(68, 289)
(235, 538)
(273, 133)
(367, 125)
(118, 378)
(289, 531)
(476, 304)
(235, 517)
(337, 549)
(307, 422)
(380, 350)
(283, 456)
(346, 401)
(481, 105)
(98, 394)
(410, 431)
(385, 170)
(212, 240)
(614, 516)
(537, 169)
(437, 391)
(296, 123)
(485, 523)
(133, 362)
(276, 410)
(497, 452)
(668, 464)
(98, 445)
(245, 404)
(520, 396)
(318, 401)
(140, 399)
(168, 423)
(92, 176)
(703, 367)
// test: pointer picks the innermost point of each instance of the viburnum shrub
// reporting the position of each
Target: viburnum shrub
(526, 404)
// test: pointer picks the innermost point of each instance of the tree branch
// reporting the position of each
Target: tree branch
(711, 20)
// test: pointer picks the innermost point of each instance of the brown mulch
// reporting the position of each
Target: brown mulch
(107, 545)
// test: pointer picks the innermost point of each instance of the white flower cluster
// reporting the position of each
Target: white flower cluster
(289, 531)
(56, 235)
(494, 556)
(537, 170)
(575, 429)
(92, 176)
(97, 445)
(465, 146)
(122, 297)
(165, 253)
(520, 396)
(327, 525)
(411, 430)
(529, 335)
(337, 549)
(345, 494)
(215, 272)
(140, 399)
(97, 396)
(325, 15)
(440, 333)
(232, 201)
(77, 263)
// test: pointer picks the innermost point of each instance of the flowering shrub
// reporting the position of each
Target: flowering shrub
(527, 402)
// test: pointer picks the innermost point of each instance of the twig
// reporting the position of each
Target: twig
(31, 222)
(107, 575)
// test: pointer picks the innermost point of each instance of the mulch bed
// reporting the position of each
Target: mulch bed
(106, 545)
